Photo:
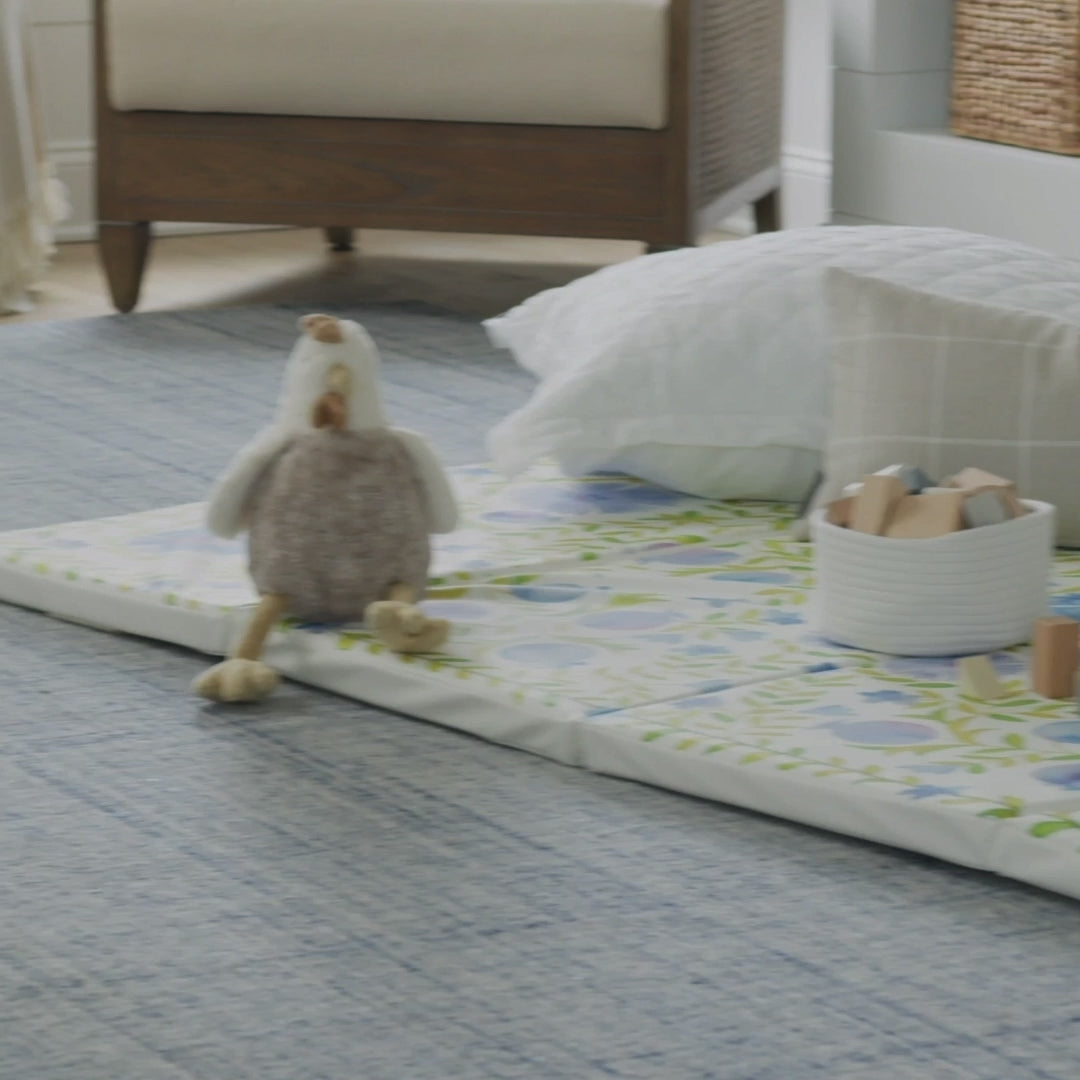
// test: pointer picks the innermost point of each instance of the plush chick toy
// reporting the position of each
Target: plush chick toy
(338, 508)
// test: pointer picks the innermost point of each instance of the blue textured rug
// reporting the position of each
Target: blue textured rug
(308, 890)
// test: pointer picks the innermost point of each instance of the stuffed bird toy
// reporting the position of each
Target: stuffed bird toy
(338, 507)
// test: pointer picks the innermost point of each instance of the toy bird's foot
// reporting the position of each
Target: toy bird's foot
(405, 628)
(237, 680)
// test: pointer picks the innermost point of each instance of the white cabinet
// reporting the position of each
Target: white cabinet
(894, 160)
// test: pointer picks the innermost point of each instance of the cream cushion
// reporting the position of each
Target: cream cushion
(943, 384)
(566, 62)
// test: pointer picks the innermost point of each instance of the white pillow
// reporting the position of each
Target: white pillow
(943, 384)
(706, 369)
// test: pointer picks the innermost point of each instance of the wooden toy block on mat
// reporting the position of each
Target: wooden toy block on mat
(989, 507)
(838, 512)
(1054, 656)
(922, 517)
(978, 679)
(875, 502)
(976, 481)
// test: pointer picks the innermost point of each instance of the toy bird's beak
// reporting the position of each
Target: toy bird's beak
(331, 410)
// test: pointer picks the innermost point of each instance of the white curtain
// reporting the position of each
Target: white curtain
(31, 201)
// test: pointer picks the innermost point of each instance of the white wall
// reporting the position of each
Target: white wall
(60, 48)
(60, 39)
(895, 159)
(808, 83)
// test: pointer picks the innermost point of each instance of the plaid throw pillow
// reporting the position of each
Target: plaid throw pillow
(943, 384)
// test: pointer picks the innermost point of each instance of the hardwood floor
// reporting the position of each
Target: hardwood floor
(477, 275)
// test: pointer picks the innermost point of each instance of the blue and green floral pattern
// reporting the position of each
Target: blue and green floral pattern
(666, 638)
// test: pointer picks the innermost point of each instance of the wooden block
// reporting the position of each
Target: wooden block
(875, 502)
(1016, 507)
(915, 480)
(838, 512)
(976, 479)
(987, 507)
(1056, 642)
(978, 679)
(922, 517)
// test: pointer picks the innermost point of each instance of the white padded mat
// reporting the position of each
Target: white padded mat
(620, 627)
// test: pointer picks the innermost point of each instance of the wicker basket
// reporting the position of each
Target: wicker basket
(1016, 72)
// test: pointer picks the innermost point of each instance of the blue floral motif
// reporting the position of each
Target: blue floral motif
(784, 618)
(930, 669)
(1066, 775)
(761, 577)
(1067, 604)
(627, 619)
(555, 593)
(930, 791)
(900, 697)
(692, 556)
(1063, 731)
(882, 732)
(615, 496)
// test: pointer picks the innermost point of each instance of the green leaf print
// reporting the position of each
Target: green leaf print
(1048, 828)
(632, 599)
(749, 759)
(1001, 812)
(1007, 719)
(1015, 740)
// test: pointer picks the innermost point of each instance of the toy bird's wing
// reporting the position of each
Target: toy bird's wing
(228, 508)
(441, 504)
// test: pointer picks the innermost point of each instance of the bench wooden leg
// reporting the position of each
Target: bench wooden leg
(339, 237)
(767, 212)
(123, 248)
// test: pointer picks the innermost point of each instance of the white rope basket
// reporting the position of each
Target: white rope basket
(972, 591)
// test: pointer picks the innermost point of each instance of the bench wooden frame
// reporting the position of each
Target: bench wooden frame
(723, 139)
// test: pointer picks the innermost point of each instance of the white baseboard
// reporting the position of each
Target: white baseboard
(807, 193)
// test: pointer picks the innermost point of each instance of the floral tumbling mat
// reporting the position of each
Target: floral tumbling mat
(627, 629)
